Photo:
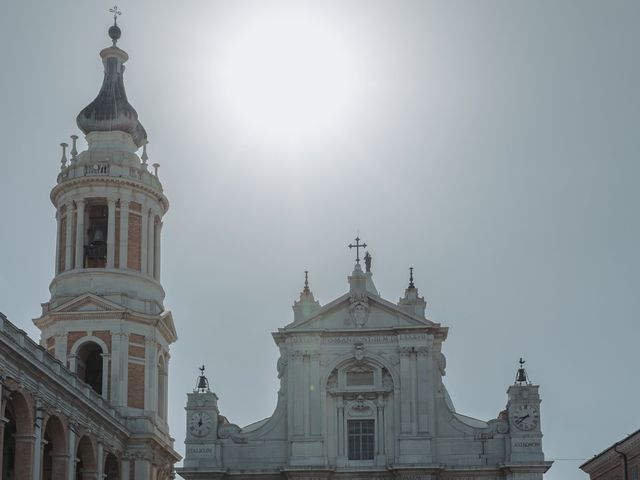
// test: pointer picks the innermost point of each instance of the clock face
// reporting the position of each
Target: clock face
(200, 424)
(525, 417)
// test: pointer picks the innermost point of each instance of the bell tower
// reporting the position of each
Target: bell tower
(105, 319)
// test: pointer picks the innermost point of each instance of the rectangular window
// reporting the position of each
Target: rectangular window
(361, 439)
(359, 378)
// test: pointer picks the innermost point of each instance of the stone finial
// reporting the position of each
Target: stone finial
(144, 156)
(155, 166)
(411, 285)
(74, 149)
(306, 282)
(63, 160)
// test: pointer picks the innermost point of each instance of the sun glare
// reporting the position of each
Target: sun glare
(288, 77)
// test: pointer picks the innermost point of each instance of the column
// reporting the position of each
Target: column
(37, 447)
(58, 235)
(111, 232)
(80, 234)
(151, 239)
(68, 252)
(100, 461)
(106, 358)
(157, 252)
(144, 230)
(124, 232)
(125, 466)
(71, 448)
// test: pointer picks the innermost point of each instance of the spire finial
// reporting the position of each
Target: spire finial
(115, 12)
(306, 282)
(114, 30)
(357, 246)
(411, 285)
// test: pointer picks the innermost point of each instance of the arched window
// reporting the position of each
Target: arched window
(89, 367)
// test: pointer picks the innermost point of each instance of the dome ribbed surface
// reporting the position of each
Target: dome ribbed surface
(111, 111)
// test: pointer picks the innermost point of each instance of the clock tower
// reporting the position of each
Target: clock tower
(202, 447)
(523, 412)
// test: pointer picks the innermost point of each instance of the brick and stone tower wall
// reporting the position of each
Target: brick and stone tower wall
(105, 319)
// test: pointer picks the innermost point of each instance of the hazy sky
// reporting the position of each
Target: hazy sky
(491, 145)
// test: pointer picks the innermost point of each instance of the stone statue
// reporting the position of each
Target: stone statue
(367, 261)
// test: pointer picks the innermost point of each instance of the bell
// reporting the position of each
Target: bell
(521, 376)
(203, 384)
(98, 235)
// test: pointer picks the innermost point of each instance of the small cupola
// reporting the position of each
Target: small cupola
(412, 302)
(307, 304)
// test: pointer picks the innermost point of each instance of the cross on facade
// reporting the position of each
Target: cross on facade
(358, 246)
(115, 12)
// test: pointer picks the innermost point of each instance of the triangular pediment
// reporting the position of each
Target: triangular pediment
(88, 302)
(360, 311)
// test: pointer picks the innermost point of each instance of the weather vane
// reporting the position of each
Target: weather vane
(357, 246)
(115, 12)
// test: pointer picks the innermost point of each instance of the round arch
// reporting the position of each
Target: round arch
(89, 338)
(88, 362)
(17, 445)
(111, 467)
(347, 358)
(86, 459)
(54, 459)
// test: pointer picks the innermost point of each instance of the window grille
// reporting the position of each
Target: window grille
(361, 439)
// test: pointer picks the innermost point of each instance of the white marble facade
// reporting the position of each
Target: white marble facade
(362, 396)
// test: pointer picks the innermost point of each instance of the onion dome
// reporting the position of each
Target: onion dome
(111, 111)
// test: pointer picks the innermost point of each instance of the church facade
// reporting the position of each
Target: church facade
(361, 396)
(90, 401)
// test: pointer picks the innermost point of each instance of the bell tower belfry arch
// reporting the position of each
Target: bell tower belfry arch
(106, 319)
